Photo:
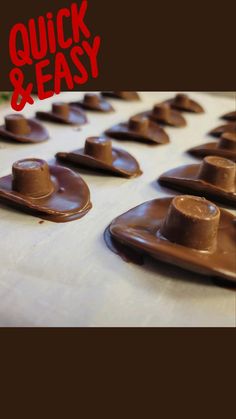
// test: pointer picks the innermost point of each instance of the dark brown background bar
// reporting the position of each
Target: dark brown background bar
(146, 45)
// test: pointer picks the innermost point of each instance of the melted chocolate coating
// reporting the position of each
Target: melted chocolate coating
(70, 199)
(123, 164)
(34, 132)
(139, 230)
(213, 149)
(184, 103)
(139, 129)
(62, 113)
(94, 103)
(98, 154)
(165, 115)
(186, 179)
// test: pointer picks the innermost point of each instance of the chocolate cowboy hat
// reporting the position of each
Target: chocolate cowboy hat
(183, 103)
(164, 114)
(139, 129)
(217, 132)
(231, 116)
(95, 103)
(129, 96)
(20, 129)
(63, 113)
(225, 147)
(98, 154)
(185, 231)
(214, 178)
(51, 192)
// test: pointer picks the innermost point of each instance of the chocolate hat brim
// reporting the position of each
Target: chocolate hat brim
(175, 118)
(69, 200)
(231, 116)
(218, 131)
(185, 179)
(76, 117)
(211, 149)
(130, 96)
(155, 134)
(193, 107)
(139, 229)
(103, 106)
(123, 163)
(37, 133)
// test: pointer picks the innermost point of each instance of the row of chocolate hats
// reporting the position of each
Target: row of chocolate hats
(148, 126)
(56, 193)
(29, 130)
(18, 128)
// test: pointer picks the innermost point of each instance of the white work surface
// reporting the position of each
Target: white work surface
(64, 275)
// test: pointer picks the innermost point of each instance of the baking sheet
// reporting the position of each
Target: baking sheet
(64, 275)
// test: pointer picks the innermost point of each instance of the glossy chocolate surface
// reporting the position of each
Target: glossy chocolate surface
(99, 155)
(20, 129)
(163, 114)
(63, 113)
(94, 103)
(61, 197)
(128, 96)
(218, 184)
(139, 129)
(138, 233)
(184, 103)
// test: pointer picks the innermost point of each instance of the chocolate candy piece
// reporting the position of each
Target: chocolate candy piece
(139, 129)
(186, 231)
(20, 129)
(63, 113)
(162, 113)
(99, 155)
(217, 132)
(51, 192)
(219, 172)
(94, 102)
(182, 102)
(215, 178)
(31, 177)
(99, 149)
(128, 96)
(226, 147)
(192, 222)
(231, 116)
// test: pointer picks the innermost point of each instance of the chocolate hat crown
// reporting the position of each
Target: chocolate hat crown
(17, 124)
(228, 141)
(139, 125)
(192, 222)
(99, 148)
(181, 100)
(92, 99)
(219, 172)
(31, 177)
(161, 111)
(61, 109)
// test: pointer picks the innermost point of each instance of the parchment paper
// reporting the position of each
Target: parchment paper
(64, 275)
